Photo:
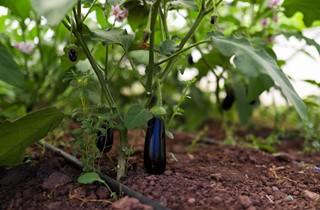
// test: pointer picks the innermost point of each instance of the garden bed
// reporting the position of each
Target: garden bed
(214, 177)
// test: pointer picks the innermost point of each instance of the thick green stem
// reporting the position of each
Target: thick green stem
(192, 29)
(169, 66)
(106, 64)
(159, 94)
(167, 70)
(105, 89)
(150, 67)
(122, 166)
(88, 12)
(99, 74)
(135, 71)
(163, 16)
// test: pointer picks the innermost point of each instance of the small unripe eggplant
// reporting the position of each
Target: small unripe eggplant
(228, 100)
(253, 102)
(155, 147)
(214, 19)
(72, 54)
(190, 59)
(105, 141)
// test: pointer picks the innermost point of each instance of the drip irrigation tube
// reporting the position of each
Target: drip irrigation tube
(113, 184)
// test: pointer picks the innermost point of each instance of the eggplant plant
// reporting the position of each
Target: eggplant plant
(114, 46)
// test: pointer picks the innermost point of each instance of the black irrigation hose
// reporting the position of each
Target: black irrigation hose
(113, 184)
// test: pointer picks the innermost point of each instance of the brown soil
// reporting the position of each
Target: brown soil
(213, 177)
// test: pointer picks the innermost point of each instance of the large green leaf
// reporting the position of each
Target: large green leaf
(209, 61)
(137, 116)
(257, 85)
(253, 62)
(168, 47)
(114, 36)
(17, 135)
(190, 4)
(300, 36)
(309, 8)
(138, 17)
(20, 8)
(9, 69)
(53, 10)
(244, 108)
(313, 82)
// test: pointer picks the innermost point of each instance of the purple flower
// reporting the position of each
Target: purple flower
(274, 3)
(23, 47)
(265, 22)
(125, 12)
(275, 18)
(270, 39)
(119, 14)
(115, 10)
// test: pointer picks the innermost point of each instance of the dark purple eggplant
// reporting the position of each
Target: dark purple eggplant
(228, 100)
(214, 19)
(105, 141)
(73, 54)
(155, 147)
(190, 59)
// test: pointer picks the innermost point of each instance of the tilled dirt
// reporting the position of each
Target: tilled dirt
(213, 177)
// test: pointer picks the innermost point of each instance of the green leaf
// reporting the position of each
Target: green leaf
(214, 58)
(309, 8)
(243, 107)
(137, 116)
(9, 69)
(257, 85)
(140, 56)
(168, 47)
(300, 36)
(100, 16)
(53, 11)
(190, 4)
(114, 36)
(313, 82)
(253, 62)
(169, 134)
(138, 17)
(18, 135)
(20, 8)
(89, 178)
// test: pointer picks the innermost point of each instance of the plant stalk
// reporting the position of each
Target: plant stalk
(122, 163)
(150, 67)
(99, 74)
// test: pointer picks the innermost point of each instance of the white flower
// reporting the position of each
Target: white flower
(23, 47)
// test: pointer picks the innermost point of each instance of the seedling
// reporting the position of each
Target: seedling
(91, 177)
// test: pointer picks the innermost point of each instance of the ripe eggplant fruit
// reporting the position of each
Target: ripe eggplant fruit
(105, 142)
(155, 147)
(228, 100)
